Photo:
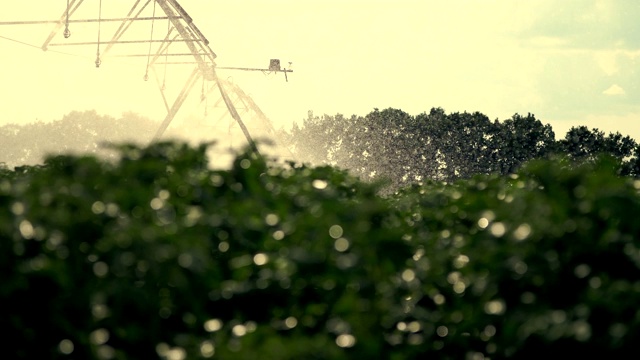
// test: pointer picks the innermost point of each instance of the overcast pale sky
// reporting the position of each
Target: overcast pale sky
(570, 62)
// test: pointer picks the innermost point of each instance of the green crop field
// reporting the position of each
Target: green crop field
(155, 255)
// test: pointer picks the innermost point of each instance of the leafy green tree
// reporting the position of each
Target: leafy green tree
(377, 144)
(371, 147)
(518, 140)
(319, 138)
(631, 167)
(462, 143)
(583, 144)
(402, 149)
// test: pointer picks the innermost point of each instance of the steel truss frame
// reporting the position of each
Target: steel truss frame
(182, 30)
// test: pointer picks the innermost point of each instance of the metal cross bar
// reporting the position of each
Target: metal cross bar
(145, 55)
(121, 42)
(252, 69)
(176, 63)
(163, 49)
(73, 6)
(126, 24)
(168, 7)
(36, 22)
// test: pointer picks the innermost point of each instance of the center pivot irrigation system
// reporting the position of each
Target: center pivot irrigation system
(180, 44)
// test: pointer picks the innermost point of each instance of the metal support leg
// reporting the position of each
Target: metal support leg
(236, 117)
(188, 86)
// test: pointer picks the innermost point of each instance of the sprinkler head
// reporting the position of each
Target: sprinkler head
(146, 77)
(98, 62)
(66, 33)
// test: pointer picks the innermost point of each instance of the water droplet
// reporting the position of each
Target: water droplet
(522, 232)
(442, 331)
(489, 330)
(105, 352)
(582, 271)
(582, 330)
(345, 340)
(99, 336)
(341, 244)
(164, 194)
(495, 307)
(459, 287)
(460, 261)
(207, 349)
(558, 316)
(319, 184)
(453, 277)
(335, 231)
(100, 269)
(99, 311)
(497, 229)
(213, 325)
(290, 322)
(489, 215)
(271, 219)
(618, 330)
(216, 180)
(26, 229)
(185, 260)
(156, 203)
(17, 208)
(176, 353)
(260, 259)
(520, 267)
(414, 326)
(66, 346)
(408, 275)
(239, 330)
(528, 297)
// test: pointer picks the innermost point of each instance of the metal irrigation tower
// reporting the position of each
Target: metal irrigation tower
(182, 43)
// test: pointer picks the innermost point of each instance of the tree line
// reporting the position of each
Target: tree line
(385, 144)
(394, 145)
(80, 132)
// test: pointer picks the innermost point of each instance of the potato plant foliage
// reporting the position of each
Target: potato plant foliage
(157, 256)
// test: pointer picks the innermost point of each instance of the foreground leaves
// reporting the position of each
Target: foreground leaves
(158, 256)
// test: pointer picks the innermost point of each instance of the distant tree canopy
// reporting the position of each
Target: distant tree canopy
(87, 133)
(79, 132)
(403, 149)
(385, 144)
